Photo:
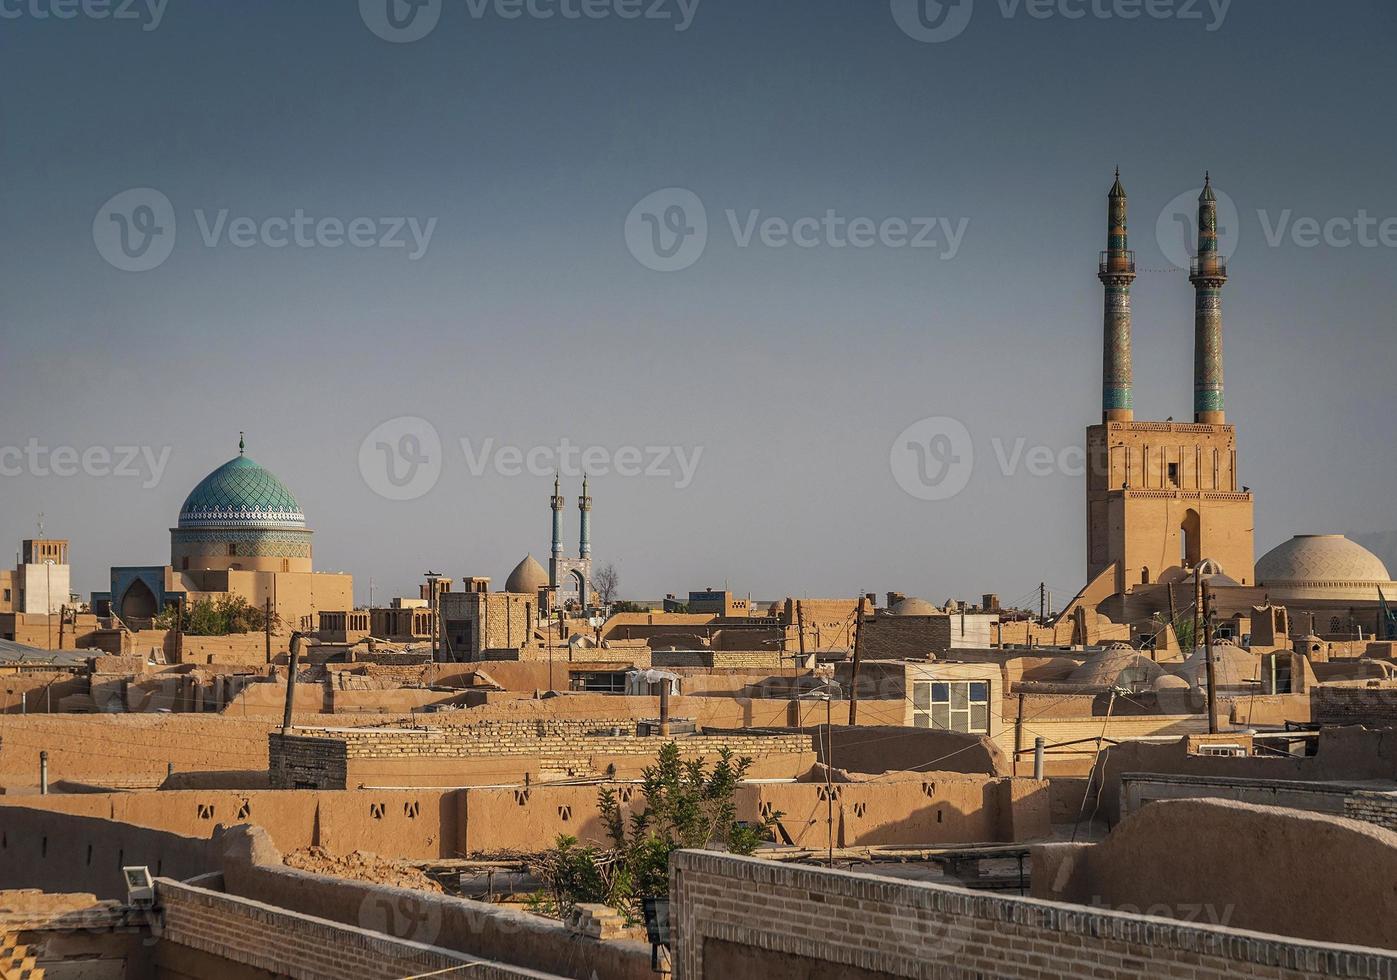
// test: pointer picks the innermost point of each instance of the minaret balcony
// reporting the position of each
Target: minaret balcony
(1208, 265)
(1117, 262)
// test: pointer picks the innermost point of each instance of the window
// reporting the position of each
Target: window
(959, 706)
(1174, 474)
(232, 549)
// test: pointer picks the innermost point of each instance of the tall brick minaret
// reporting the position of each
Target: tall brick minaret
(1117, 272)
(1208, 274)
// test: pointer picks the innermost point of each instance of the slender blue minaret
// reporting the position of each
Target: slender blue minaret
(1208, 274)
(1117, 272)
(584, 504)
(557, 503)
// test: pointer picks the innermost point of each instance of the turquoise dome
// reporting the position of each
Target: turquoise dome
(241, 494)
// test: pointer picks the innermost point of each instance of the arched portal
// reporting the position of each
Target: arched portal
(138, 602)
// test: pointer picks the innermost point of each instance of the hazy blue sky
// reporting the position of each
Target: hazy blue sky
(527, 319)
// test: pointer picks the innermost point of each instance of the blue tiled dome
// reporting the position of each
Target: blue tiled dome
(241, 494)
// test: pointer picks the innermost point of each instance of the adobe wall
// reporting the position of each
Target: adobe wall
(1372, 807)
(96, 748)
(1346, 754)
(418, 824)
(66, 852)
(878, 749)
(746, 917)
(252, 869)
(1285, 871)
(924, 809)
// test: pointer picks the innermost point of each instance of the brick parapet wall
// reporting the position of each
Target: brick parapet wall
(918, 929)
(321, 758)
(1372, 807)
(289, 943)
(1354, 703)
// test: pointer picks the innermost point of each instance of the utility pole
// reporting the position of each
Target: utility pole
(432, 607)
(829, 770)
(1197, 606)
(854, 673)
(1212, 680)
(800, 629)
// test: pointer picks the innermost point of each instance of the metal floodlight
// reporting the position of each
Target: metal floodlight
(140, 887)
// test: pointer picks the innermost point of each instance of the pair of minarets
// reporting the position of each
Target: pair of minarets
(1207, 273)
(584, 505)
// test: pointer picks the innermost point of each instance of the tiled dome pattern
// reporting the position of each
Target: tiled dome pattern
(241, 493)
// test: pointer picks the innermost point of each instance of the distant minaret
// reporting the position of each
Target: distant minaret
(557, 503)
(1117, 272)
(584, 504)
(1208, 274)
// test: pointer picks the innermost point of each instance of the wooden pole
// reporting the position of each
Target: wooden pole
(1197, 606)
(854, 673)
(293, 662)
(829, 771)
(800, 629)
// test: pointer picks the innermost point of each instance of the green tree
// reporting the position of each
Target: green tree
(687, 805)
(221, 616)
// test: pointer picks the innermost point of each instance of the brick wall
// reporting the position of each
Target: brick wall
(766, 916)
(1355, 703)
(323, 758)
(1372, 807)
(289, 943)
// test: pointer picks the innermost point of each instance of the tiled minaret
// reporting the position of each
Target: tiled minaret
(584, 504)
(557, 503)
(1117, 272)
(1208, 274)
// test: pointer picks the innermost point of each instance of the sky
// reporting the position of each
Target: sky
(750, 255)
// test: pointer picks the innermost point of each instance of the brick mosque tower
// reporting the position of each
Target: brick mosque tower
(1164, 495)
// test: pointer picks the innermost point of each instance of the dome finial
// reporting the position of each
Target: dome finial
(242, 443)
